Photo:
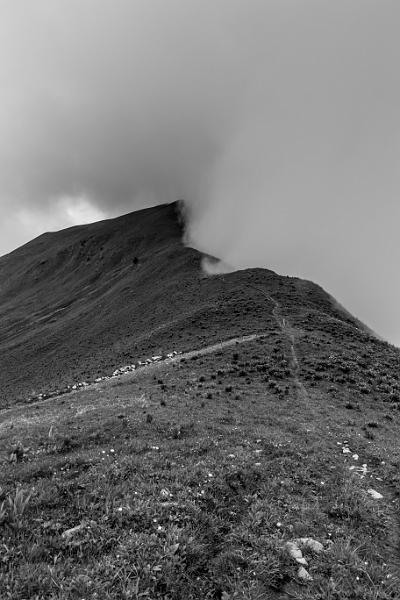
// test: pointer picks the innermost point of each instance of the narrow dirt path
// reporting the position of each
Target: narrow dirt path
(289, 333)
(284, 325)
(215, 347)
(144, 369)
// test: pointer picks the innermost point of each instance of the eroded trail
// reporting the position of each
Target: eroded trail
(284, 325)
(221, 345)
(143, 369)
(289, 334)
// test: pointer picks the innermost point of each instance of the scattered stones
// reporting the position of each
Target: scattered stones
(123, 370)
(294, 549)
(361, 471)
(294, 552)
(116, 373)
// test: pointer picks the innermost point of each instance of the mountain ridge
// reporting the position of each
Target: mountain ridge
(82, 301)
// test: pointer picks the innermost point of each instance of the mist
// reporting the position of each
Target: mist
(276, 120)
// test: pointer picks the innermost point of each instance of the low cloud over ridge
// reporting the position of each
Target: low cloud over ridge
(276, 120)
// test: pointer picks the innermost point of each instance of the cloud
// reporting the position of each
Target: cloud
(62, 213)
(119, 99)
(276, 120)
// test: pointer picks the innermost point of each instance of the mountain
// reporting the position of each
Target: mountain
(78, 303)
(257, 419)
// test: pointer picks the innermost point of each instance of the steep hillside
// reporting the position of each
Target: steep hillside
(199, 475)
(78, 303)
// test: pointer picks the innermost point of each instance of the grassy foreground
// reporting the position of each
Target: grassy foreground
(186, 481)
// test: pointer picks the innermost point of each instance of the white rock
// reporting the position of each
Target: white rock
(70, 532)
(294, 552)
(376, 495)
(304, 575)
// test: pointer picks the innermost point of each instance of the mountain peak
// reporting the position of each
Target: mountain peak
(80, 302)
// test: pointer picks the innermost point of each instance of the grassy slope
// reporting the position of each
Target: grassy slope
(188, 478)
(75, 305)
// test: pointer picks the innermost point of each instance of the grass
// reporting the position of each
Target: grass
(199, 500)
(186, 481)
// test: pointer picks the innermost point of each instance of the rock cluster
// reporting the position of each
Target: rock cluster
(116, 373)
(294, 550)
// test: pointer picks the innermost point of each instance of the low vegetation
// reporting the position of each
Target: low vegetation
(172, 486)
(189, 479)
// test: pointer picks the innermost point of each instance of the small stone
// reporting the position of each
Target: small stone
(165, 494)
(375, 495)
(70, 532)
(304, 575)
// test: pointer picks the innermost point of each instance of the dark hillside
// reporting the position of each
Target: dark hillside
(78, 303)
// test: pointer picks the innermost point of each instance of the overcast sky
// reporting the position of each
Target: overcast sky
(277, 120)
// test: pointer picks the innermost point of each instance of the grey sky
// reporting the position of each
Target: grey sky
(277, 120)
